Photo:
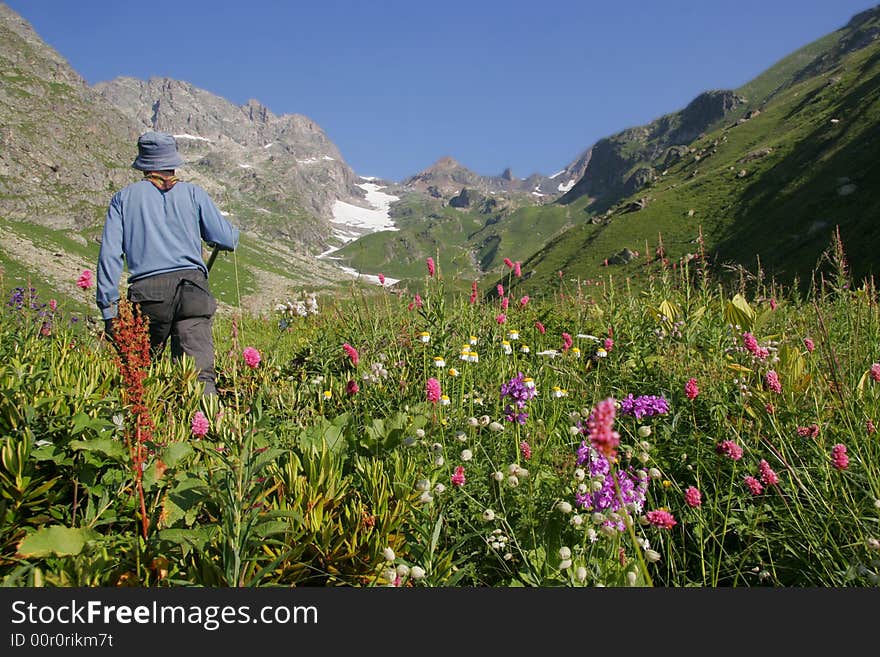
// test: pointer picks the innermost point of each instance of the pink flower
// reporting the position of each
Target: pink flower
(729, 448)
(769, 477)
(381, 278)
(85, 279)
(473, 298)
(200, 424)
(517, 269)
(771, 380)
(501, 318)
(417, 300)
(600, 426)
(53, 304)
(661, 518)
(251, 356)
(839, 459)
(773, 304)
(875, 371)
(500, 290)
(457, 478)
(753, 485)
(566, 342)
(750, 342)
(869, 426)
(809, 345)
(691, 389)
(352, 353)
(811, 431)
(431, 268)
(509, 263)
(526, 450)
(523, 301)
(608, 344)
(432, 389)
(352, 387)
(769, 408)
(505, 302)
(693, 497)
(540, 327)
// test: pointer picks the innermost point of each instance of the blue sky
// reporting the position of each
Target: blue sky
(398, 85)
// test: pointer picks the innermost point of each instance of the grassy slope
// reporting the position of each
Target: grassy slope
(785, 208)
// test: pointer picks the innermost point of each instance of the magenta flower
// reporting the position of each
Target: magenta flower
(200, 424)
(693, 497)
(352, 353)
(773, 304)
(809, 345)
(509, 263)
(771, 380)
(875, 371)
(501, 318)
(540, 327)
(85, 280)
(417, 300)
(351, 387)
(432, 390)
(753, 485)
(600, 426)
(608, 344)
(769, 477)
(457, 478)
(526, 450)
(691, 389)
(381, 278)
(869, 427)
(523, 301)
(839, 458)
(661, 518)
(251, 356)
(431, 268)
(505, 302)
(53, 304)
(811, 431)
(566, 342)
(517, 269)
(730, 449)
(500, 290)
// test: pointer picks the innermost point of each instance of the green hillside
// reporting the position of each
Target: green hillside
(770, 190)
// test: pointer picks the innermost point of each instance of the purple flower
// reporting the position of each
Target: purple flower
(633, 485)
(519, 392)
(644, 406)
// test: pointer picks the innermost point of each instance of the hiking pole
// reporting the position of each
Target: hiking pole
(213, 255)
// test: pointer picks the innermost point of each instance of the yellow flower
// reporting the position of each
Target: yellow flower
(453, 371)
(328, 394)
(424, 336)
(513, 334)
(439, 362)
(666, 483)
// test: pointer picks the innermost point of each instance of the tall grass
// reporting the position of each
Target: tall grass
(715, 463)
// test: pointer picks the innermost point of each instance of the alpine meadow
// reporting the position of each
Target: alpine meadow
(659, 367)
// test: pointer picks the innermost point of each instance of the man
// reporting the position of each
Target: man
(157, 226)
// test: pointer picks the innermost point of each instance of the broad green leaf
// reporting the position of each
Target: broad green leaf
(738, 312)
(175, 453)
(55, 541)
(106, 446)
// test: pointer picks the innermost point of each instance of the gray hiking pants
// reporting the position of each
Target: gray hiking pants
(179, 305)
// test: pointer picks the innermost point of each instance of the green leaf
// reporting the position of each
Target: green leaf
(175, 453)
(55, 541)
(738, 312)
(106, 446)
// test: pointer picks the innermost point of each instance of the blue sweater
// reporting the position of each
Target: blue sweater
(156, 232)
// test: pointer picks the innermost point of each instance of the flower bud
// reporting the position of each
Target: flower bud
(644, 431)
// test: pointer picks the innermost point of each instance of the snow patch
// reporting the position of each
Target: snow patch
(558, 173)
(196, 137)
(567, 186)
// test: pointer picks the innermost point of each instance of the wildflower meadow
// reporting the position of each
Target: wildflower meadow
(686, 434)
